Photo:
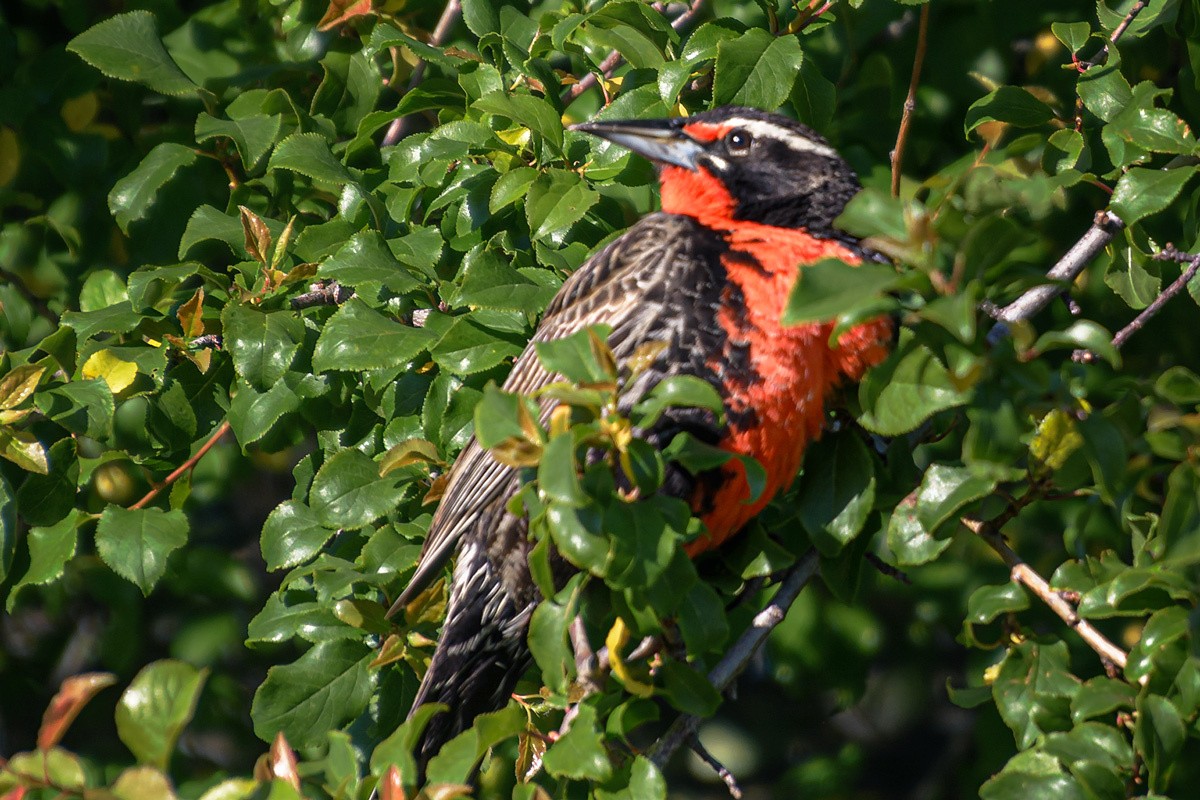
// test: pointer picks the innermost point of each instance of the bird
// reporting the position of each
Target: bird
(747, 199)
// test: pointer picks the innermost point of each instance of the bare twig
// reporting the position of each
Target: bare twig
(741, 653)
(1105, 226)
(1028, 577)
(722, 771)
(1102, 56)
(910, 102)
(221, 430)
(1168, 254)
(884, 568)
(450, 14)
(323, 293)
(614, 60)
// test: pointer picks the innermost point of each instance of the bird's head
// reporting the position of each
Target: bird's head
(736, 164)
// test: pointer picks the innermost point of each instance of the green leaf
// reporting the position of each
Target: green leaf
(679, 391)
(397, 748)
(50, 548)
(24, 450)
(1159, 736)
(944, 490)
(1081, 334)
(1165, 631)
(292, 535)
(688, 690)
(831, 288)
(480, 16)
(1134, 277)
(252, 135)
(309, 154)
(836, 491)
(1031, 774)
(366, 259)
(322, 690)
(1179, 385)
(574, 357)
(556, 201)
(558, 480)
(1142, 192)
(127, 47)
(157, 706)
(457, 759)
(136, 543)
(531, 112)
(8, 527)
(988, 602)
(548, 636)
(347, 491)
(756, 69)
(579, 753)
(1033, 690)
(82, 407)
(1100, 696)
(101, 289)
(702, 620)
(906, 389)
(46, 499)
(1074, 35)
(263, 343)
(1104, 90)
(359, 338)
(465, 348)
(1010, 104)
(511, 187)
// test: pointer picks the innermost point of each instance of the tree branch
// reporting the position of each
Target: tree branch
(722, 771)
(221, 430)
(1028, 577)
(743, 650)
(322, 293)
(450, 14)
(39, 305)
(1105, 226)
(910, 102)
(614, 59)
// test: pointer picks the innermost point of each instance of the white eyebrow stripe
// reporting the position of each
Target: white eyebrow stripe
(795, 141)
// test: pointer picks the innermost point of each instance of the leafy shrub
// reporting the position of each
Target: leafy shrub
(309, 227)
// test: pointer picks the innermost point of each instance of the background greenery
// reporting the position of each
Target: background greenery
(171, 173)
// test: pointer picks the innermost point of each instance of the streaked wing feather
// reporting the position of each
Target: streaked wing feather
(611, 288)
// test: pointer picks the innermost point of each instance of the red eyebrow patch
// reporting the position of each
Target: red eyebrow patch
(706, 131)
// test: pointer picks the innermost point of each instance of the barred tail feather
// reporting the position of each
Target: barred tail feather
(481, 654)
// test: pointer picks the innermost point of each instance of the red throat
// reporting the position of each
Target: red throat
(696, 193)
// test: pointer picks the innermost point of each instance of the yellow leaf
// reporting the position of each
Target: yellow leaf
(116, 373)
(79, 112)
(1057, 437)
(517, 137)
(410, 451)
(19, 384)
(618, 637)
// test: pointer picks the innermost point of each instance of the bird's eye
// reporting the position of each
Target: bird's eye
(738, 142)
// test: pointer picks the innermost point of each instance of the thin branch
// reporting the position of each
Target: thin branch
(742, 652)
(722, 771)
(1028, 577)
(614, 59)
(1168, 254)
(910, 102)
(1102, 56)
(221, 430)
(322, 293)
(450, 14)
(1105, 226)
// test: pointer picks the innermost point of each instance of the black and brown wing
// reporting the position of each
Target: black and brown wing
(659, 281)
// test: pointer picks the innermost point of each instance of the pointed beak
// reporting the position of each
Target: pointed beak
(657, 140)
